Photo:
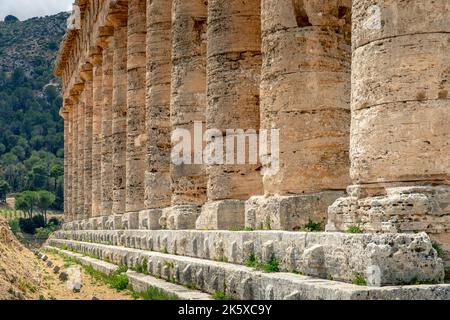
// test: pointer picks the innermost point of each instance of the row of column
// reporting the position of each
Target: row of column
(194, 65)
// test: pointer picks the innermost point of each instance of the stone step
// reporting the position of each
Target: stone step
(245, 283)
(99, 265)
(139, 282)
(381, 259)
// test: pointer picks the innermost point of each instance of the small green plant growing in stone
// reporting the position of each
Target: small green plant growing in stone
(222, 259)
(354, 229)
(330, 277)
(155, 294)
(438, 248)
(142, 266)
(169, 264)
(272, 266)
(220, 295)
(359, 280)
(191, 285)
(312, 226)
(252, 261)
(248, 229)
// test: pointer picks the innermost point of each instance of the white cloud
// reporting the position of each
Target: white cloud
(25, 9)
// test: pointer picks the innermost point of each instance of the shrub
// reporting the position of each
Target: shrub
(220, 295)
(54, 221)
(14, 225)
(359, 280)
(438, 248)
(313, 227)
(155, 294)
(39, 221)
(354, 229)
(27, 225)
(119, 282)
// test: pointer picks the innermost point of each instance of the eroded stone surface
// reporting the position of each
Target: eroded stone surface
(380, 258)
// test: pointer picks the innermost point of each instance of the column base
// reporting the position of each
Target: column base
(130, 221)
(396, 210)
(392, 209)
(101, 222)
(288, 212)
(114, 222)
(149, 219)
(180, 217)
(222, 215)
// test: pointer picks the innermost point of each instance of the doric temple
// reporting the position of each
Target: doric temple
(355, 94)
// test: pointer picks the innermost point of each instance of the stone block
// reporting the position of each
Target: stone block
(288, 212)
(149, 219)
(222, 215)
(130, 221)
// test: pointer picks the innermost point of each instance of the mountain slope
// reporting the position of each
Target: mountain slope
(32, 138)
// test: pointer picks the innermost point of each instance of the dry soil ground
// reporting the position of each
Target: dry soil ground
(23, 276)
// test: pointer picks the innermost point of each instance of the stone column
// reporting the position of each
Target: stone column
(136, 136)
(81, 156)
(119, 114)
(65, 113)
(400, 121)
(96, 61)
(157, 175)
(74, 160)
(234, 68)
(107, 91)
(87, 76)
(187, 107)
(305, 93)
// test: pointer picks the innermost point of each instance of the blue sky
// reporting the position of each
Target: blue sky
(25, 9)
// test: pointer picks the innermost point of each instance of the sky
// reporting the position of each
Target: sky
(25, 9)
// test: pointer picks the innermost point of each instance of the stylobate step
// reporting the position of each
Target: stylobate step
(140, 282)
(380, 259)
(245, 283)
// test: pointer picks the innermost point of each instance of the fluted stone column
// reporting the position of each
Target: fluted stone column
(107, 144)
(119, 120)
(305, 93)
(97, 134)
(157, 174)
(88, 110)
(187, 106)
(136, 135)
(400, 121)
(81, 155)
(65, 113)
(234, 68)
(74, 160)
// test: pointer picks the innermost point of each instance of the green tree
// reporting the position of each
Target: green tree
(27, 201)
(4, 189)
(44, 200)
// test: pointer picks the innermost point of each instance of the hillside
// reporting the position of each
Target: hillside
(19, 271)
(32, 138)
(32, 44)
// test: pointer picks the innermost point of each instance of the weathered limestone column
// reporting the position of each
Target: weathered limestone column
(96, 61)
(74, 160)
(107, 144)
(234, 68)
(157, 175)
(136, 135)
(400, 121)
(87, 76)
(188, 105)
(305, 93)
(65, 113)
(119, 120)
(81, 155)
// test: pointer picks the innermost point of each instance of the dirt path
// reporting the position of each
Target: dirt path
(52, 288)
